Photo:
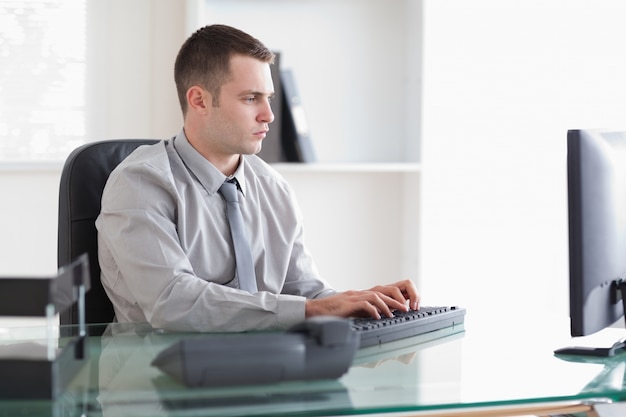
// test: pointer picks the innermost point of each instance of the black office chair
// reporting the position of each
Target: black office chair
(84, 175)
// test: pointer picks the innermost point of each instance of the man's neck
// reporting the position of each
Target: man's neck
(227, 164)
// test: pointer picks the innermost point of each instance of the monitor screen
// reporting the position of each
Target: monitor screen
(596, 171)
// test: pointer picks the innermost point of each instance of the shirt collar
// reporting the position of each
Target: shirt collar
(209, 176)
(239, 175)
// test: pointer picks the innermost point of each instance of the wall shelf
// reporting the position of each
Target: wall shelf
(398, 167)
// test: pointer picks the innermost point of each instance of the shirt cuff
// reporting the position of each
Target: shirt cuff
(291, 310)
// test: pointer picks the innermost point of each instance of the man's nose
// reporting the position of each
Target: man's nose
(266, 115)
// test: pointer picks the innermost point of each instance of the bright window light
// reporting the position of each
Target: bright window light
(42, 79)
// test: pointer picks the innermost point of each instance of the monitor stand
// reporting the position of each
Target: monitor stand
(612, 377)
(617, 348)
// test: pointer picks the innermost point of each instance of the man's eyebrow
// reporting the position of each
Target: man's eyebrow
(256, 93)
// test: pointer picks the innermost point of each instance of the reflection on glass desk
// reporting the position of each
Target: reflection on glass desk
(446, 370)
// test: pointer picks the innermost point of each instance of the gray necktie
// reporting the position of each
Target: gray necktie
(243, 255)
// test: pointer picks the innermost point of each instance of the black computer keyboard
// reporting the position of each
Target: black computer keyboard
(406, 324)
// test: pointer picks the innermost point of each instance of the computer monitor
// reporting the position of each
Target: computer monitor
(596, 172)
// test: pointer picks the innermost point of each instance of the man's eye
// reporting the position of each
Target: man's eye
(250, 99)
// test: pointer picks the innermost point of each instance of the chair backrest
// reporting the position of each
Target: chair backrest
(84, 175)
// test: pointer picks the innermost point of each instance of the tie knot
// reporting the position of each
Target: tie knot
(229, 191)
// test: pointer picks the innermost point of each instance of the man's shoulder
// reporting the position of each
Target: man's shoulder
(146, 160)
(153, 156)
(147, 154)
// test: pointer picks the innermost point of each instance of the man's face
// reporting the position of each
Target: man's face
(241, 122)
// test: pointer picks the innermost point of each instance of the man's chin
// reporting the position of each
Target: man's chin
(258, 149)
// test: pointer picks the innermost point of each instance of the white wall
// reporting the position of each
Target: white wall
(361, 224)
(28, 220)
(131, 50)
(503, 82)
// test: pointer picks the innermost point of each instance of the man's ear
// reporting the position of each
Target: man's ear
(198, 99)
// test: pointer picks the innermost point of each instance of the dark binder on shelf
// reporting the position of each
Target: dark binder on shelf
(272, 149)
(296, 138)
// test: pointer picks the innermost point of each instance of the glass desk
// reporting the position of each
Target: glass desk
(456, 372)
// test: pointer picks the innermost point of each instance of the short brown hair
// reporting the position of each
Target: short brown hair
(204, 59)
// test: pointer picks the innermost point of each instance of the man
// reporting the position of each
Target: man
(165, 246)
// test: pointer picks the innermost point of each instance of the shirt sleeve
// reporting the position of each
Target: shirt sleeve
(148, 276)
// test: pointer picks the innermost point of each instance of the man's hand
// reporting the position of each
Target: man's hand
(376, 302)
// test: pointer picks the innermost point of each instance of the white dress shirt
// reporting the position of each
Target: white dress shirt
(166, 253)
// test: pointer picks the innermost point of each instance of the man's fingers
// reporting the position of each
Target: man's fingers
(377, 302)
(401, 291)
